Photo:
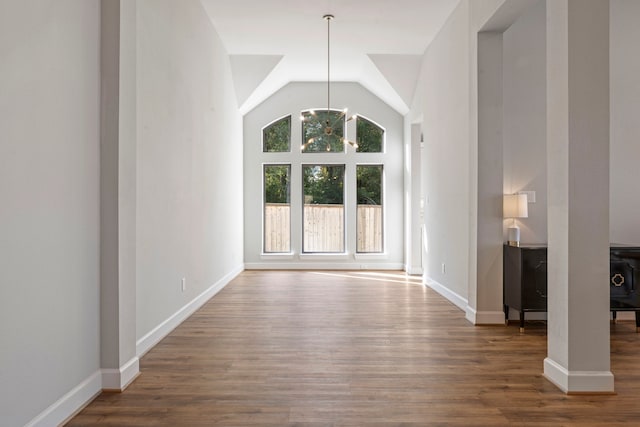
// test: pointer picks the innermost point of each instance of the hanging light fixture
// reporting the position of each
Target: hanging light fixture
(320, 129)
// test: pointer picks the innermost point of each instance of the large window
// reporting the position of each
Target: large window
(323, 213)
(369, 209)
(277, 208)
(337, 205)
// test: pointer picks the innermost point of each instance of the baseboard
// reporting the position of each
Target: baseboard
(145, 343)
(578, 382)
(484, 317)
(119, 379)
(323, 266)
(70, 404)
(456, 299)
(413, 271)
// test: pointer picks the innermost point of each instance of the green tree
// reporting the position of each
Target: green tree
(369, 184)
(313, 132)
(324, 184)
(276, 183)
(369, 136)
(277, 136)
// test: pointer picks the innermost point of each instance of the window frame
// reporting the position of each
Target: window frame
(273, 122)
(264, 209)
(344, 208)
(344, 130)
(382, 208)
(350, 159)
(384, 135)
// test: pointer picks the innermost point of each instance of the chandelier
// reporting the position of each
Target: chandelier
(324, 130)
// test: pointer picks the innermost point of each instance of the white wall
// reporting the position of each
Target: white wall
(446, 101)
(524, 80)
(189, 168)
(292, 99)
(442, 97)
(625, 126)
(49, 201)
(524, 117)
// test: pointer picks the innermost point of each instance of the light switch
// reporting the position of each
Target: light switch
(531, 196)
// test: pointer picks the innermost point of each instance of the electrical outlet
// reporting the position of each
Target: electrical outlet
(444, 270)
(184, 284)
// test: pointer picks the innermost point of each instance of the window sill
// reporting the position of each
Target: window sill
(325, 257)
(287, 255)
(366, 256)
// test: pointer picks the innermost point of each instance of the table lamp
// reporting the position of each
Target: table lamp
(514, 206)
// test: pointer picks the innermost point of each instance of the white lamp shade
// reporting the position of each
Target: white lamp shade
(515, 206)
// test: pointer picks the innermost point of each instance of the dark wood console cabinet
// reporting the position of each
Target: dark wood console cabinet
(525, 280)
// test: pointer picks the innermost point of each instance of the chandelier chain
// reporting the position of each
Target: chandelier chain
(328, 18)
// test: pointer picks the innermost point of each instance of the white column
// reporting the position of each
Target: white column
(413, 195)
(485, 299)
(119, 361)
(578, 195)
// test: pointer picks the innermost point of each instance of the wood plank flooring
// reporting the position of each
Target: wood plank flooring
(304, 348)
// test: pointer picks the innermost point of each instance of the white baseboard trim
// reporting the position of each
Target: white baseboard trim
(119, 379)
(413, 271)
(484, 317)
(456, 299)
(323, 266)
(69, 404)
(145, 343)
(578, 381)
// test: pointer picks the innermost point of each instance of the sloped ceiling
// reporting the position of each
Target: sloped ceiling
(377, 43)
(249, 71)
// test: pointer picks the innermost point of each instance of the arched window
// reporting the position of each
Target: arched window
(369, 136)
(340, 185)
(276, 137)
(322, 131)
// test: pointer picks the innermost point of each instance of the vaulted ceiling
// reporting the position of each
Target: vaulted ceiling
(377, 43)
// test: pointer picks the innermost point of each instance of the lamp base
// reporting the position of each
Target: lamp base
(513, 236)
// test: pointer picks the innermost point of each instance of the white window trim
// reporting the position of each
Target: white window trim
(350, 159)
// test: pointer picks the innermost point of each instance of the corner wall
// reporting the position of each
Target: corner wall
(442, 99)
(49, 208)
(625, 127)
(525, 124)
(292, 99)
(446, 102)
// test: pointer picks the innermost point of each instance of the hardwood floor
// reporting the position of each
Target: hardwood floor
(351, 349)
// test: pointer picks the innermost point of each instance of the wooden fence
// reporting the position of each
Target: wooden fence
(323, 228)
(369, 225)
(277, 227)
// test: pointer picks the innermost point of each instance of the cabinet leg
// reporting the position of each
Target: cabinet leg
(505, 308)
(637, 321)
(521, 321)
(614, 314)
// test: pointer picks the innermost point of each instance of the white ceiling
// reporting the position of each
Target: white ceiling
(274, 42)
